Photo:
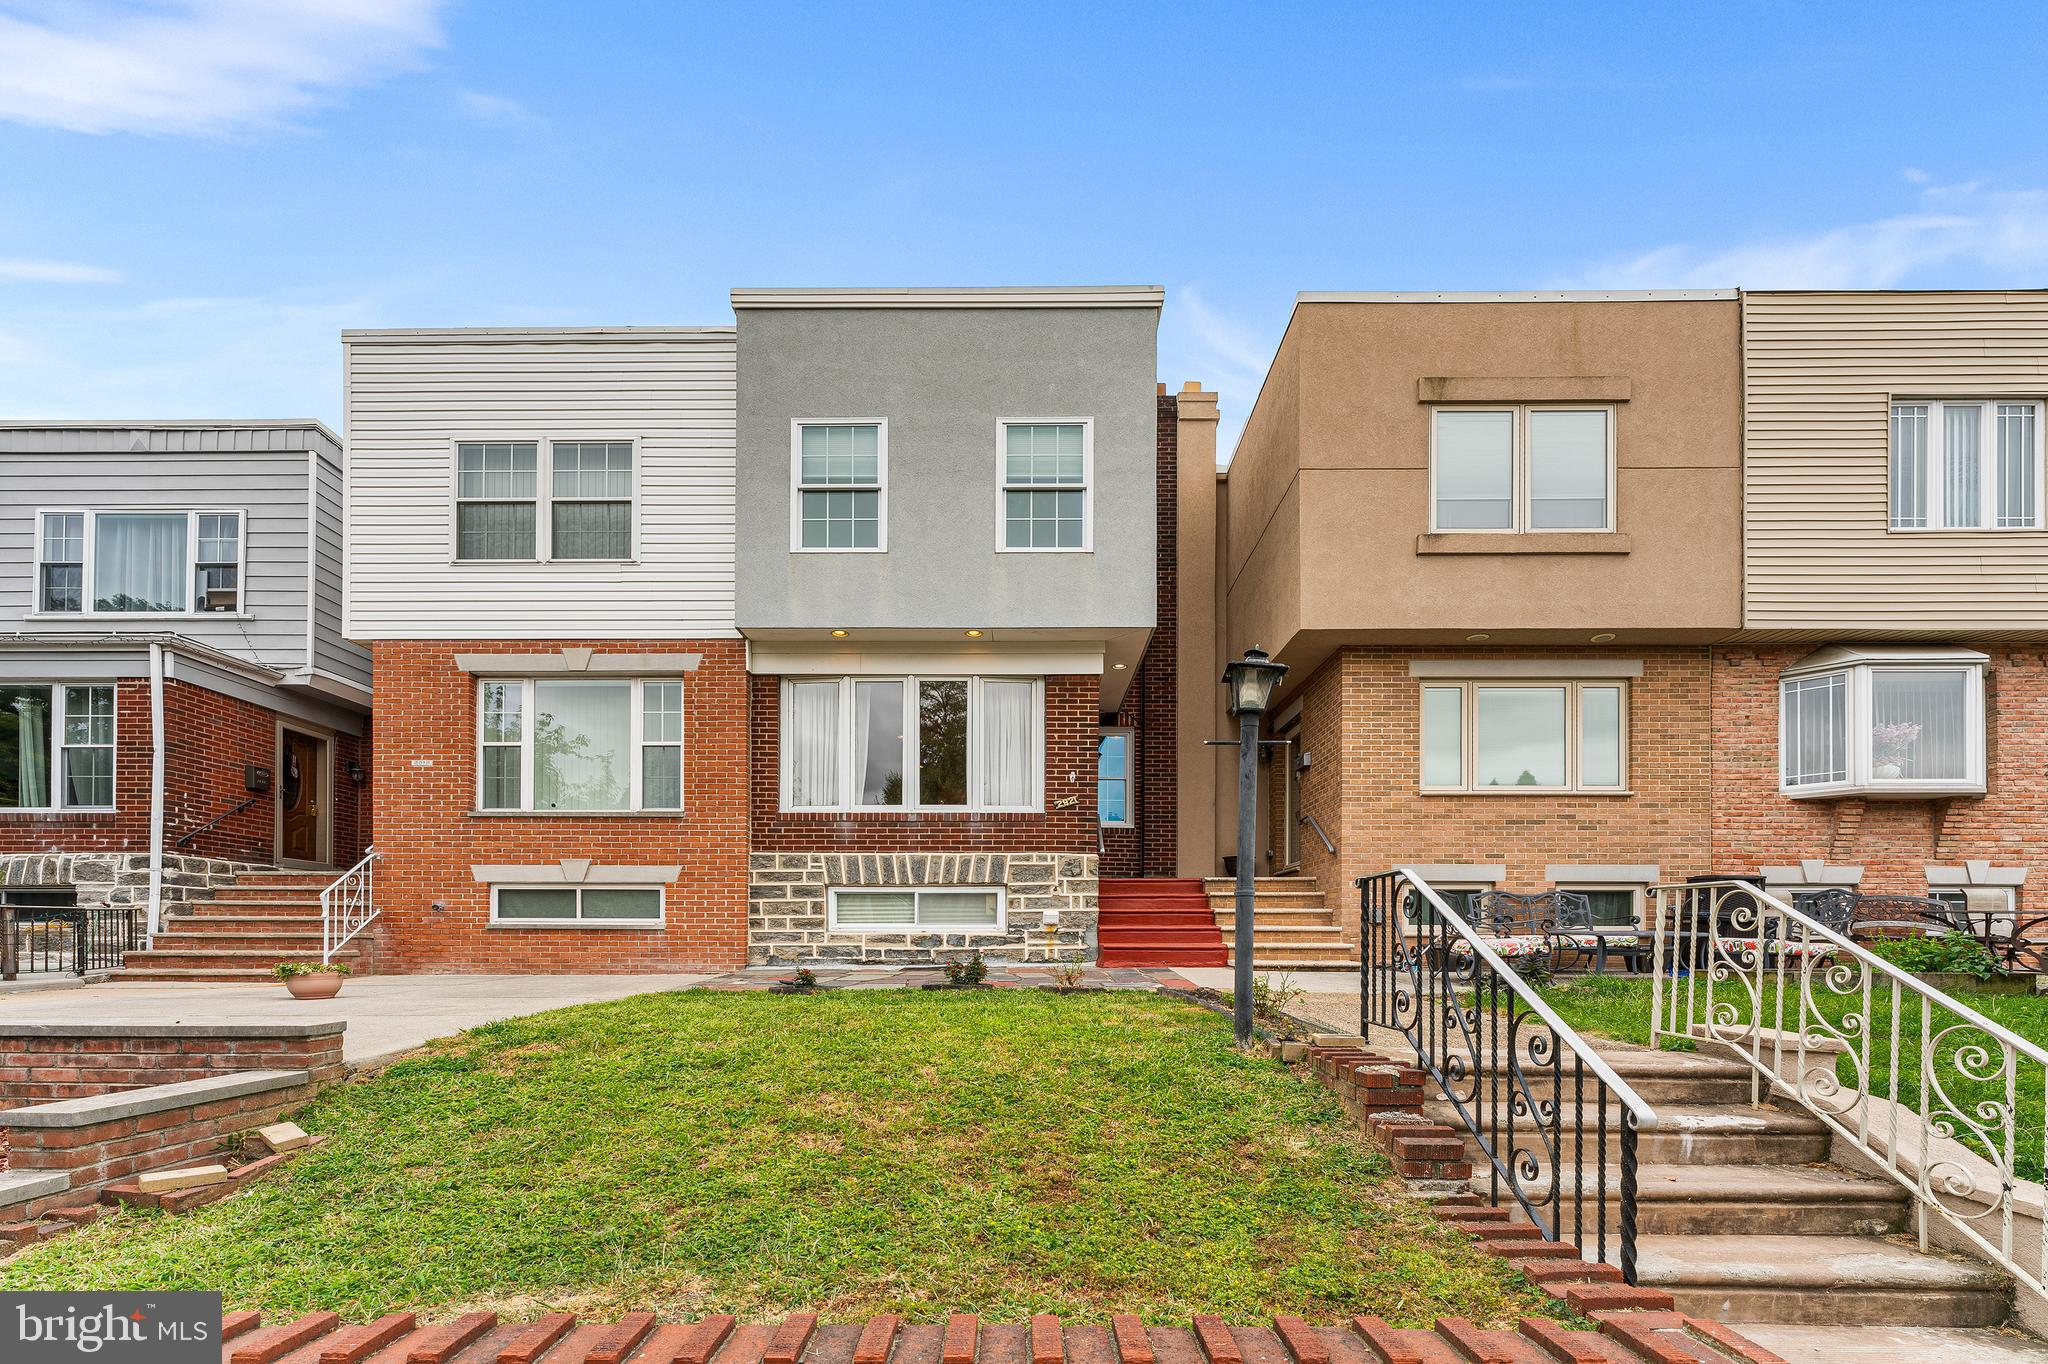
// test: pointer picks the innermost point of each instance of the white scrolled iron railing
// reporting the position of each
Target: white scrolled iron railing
(1735, 965)
(1539, 1104)
(348, 905)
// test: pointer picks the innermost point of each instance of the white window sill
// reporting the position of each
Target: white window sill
(1961, 530)
(1045, 549)
(900, 812)
(62, 810)
(1883, 791)
(540, 563)
(1527, 791)
(1523, 542)
(137, 617)
(826, 549)
(574, 814)
(644, 925)
(1117, 826)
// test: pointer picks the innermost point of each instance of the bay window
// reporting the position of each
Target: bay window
(180, 562)
(1904, 722)
(1965, 465)
(56, 746)
(911, 743)
(1524, 737)
(579, 744)
(1522, 469)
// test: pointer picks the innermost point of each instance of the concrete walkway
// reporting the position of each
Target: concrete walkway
(386, 1015)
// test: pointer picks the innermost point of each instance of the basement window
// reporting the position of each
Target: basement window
(948, 910)
(577, 906)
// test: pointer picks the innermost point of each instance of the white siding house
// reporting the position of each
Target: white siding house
(553, 421)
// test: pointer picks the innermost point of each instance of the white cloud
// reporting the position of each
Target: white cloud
(23, 270)
(1227, 355)
(1962, 233)
(492, 108)
(198, 67)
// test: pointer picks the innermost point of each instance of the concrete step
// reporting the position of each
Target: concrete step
(1688, 1134)
(1266, 963)
(1895, 1344)
(1788, 1200)
(1658, 1077)
(1822, 1281)
(1279, 918)
(1285, 932)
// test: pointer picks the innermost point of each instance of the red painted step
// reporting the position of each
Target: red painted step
(1157, 921)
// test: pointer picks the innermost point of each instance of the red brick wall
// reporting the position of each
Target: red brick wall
(42, 1069)
(428, 838)
(1893, 840)
(209, 738)
(1073, 706)
(1151, 706)
(1361, 721)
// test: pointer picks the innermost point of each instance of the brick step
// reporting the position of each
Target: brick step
(1624, 1338)
(1822, 1281)
(239, 975)
(243, 923)
(219, 958)
(1137, 909)
(267, 897)
(287, 946)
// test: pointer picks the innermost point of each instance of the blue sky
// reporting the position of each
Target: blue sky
(197, 195)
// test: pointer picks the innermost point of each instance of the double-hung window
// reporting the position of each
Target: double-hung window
(1966, 465)
(912, 743)
(156, 562)
(586, 485)
(56, 746)
(1522, 469)
(579, 744)
(840, 472)
(1525, 737)
(1046, 468)
(1115, 775)
(1901, 722)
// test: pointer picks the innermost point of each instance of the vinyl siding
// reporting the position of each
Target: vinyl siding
(1820, 371)
(332, 652)
(260, 471)
(410, 398)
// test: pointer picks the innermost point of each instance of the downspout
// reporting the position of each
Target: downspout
(156, 788)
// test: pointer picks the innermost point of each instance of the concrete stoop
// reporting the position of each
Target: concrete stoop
(1297, 929)
(1741, 1220)
(640, 1338)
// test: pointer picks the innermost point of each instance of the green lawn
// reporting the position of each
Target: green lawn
(1619, 1007)
(1001, 1152)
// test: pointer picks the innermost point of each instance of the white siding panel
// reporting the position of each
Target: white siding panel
(408, 399)
(1819, 374)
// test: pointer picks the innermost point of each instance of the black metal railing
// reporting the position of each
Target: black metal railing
(64, 940)
(1555, 1127)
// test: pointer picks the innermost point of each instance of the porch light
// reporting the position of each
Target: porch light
(973, 634)
(840, 634)
(1251, 680)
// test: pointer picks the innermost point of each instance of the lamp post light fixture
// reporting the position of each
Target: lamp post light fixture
(1251, 681)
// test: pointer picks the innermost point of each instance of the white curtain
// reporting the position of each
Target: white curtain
(1909, 464)
(28, 710)
(581, 734)
(139, 563)
(2016, 464)
(1816, 729)
(1006, 747)
(1961, 492)
(811, 733)
(1917, 724)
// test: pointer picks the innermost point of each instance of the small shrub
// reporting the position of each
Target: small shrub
(972, 971)
(1957, 952)
(1070, 977)
(805, 978)
(285, 970)
(1270, 998)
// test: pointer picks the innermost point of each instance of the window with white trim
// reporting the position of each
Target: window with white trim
(1116, 767)
(1524, 737)
(56, 746)
(587, 487)
(154, 562)
(571, 744)
(840, 472)
(1882, 725)
(1521, 468)
(1966, 465)
(1046, 471)
(912, 743)
(1610, 906)
(933, 909)
(578, 906)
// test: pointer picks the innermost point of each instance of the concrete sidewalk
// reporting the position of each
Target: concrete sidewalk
(386, 1015)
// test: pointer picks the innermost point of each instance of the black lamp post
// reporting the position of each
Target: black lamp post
(1251, 680)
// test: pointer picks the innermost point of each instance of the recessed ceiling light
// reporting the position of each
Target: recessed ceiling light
(839, 634)
(1604, 637)
(1118, 667)
(1478, 637)
(974, 634)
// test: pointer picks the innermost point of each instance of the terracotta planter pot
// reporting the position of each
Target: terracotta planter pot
(316, 985)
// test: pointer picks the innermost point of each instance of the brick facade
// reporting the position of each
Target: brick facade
(58, 1061)
(1151, 705)
(210, 738)
(1892, 840)
(1361, 724)
(436, 915)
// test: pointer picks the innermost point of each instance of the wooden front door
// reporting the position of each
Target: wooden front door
(302, 799)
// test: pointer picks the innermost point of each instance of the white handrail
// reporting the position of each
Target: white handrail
(348, 906)
(1726, 952)
(1645, 1116)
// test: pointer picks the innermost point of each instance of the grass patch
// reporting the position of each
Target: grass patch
(1001, 1152)
(1619, 1007)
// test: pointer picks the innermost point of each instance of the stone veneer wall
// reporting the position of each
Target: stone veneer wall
(786, 909)
(119, 880)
